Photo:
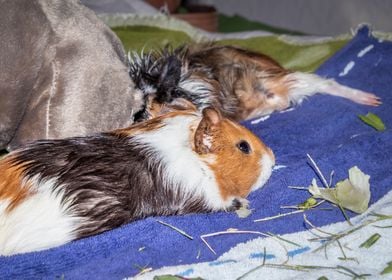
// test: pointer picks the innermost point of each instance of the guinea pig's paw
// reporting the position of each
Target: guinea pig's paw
(368, 99)
(237, 203)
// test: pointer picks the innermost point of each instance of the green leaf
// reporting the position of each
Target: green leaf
(387, 269)
(370, 241)
(307, 204)
(373, 120)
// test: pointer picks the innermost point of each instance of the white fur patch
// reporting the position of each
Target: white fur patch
(149, 89)
(183, 166)
(207, 141)
(303, 85)
(200, 88)
(266, 163)
(38, 223)
(195, 85)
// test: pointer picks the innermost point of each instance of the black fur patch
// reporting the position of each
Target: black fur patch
(164, 70)
(108, 180)
(159, 74)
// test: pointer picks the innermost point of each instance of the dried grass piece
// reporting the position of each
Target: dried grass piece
(176, 229)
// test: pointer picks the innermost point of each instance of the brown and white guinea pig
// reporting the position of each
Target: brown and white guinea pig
(55, 191)
(241, 83)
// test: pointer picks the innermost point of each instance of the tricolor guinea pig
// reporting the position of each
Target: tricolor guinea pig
(56, 191)
(241, 83)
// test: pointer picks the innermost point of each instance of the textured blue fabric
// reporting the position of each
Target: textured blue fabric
(322, 126)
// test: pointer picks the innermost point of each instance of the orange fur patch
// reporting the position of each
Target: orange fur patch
(261, 95)
(255, 79)
(280, 88)
(235, 171)
(12, 187)
(149, 125)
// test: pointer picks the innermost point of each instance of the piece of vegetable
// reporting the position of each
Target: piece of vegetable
(243, 212)
(387, 269)
(370, 241)
(352, 193)
(307, 204)
(373, 120)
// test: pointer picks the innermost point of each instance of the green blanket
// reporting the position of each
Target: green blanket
(301, 53)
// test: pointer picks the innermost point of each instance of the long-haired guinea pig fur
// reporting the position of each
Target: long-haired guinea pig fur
(241, 83)
(55, 191)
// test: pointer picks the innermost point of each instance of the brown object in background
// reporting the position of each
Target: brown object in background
(201, 16)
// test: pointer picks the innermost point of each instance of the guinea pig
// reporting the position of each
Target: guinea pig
(241, 83)
(56, 191)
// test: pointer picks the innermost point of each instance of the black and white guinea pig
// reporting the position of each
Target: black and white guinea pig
(56, 191)
(241, 83)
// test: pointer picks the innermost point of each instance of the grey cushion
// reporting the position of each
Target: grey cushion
(63, 73)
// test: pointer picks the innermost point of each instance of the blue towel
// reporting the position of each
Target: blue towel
(328, 128)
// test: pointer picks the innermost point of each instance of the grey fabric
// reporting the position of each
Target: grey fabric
(62, 73)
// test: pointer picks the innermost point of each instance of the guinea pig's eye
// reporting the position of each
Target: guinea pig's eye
(244, 147)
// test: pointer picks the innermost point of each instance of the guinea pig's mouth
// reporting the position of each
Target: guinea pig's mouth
(267, 163)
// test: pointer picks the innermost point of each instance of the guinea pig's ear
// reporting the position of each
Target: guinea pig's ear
(204, 132)
(211, 115)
